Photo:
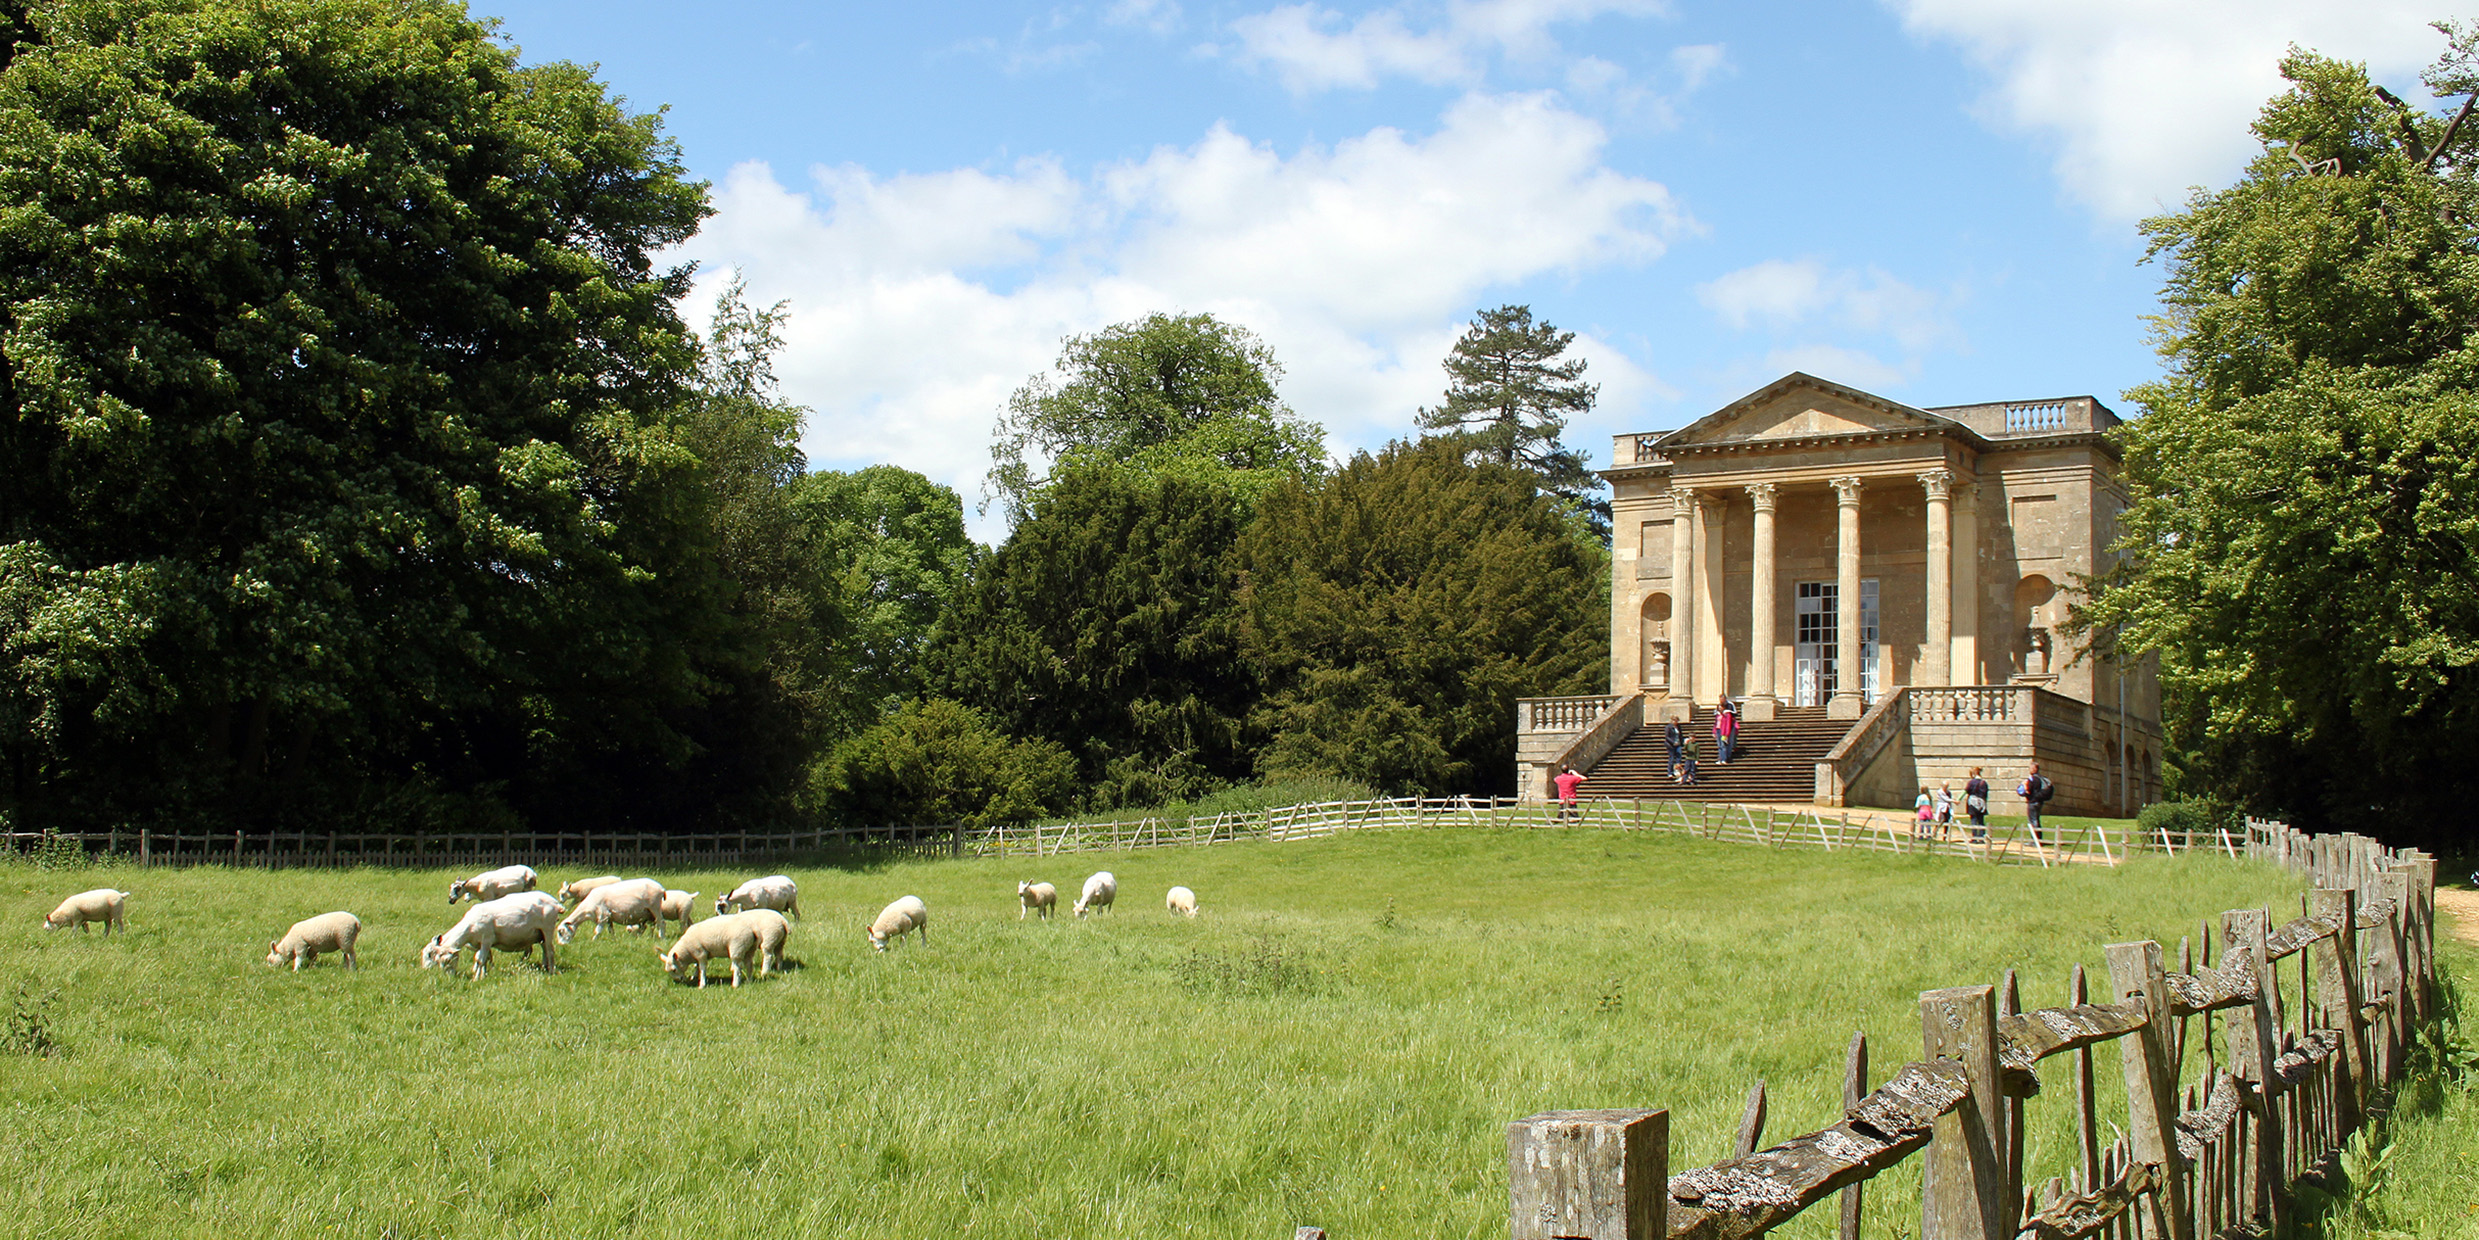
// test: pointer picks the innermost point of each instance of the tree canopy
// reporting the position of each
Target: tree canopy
(338, 354)
(1166, 393)
(1397, 609)
(1508, 398)
(2300, 550)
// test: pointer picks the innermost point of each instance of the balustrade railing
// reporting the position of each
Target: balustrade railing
(2046, 415)
(1561, 714)
(1968, 704)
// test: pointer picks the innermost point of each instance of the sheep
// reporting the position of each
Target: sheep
(1100, 891)
(756, 935)
(509, 923)
(507, 880)
(102, 904)
(678, 906)
(1181, 901)
(894, 920)
(637, 902)
(1030, 896)
(774, 891)
(327, 932)
(583, 887)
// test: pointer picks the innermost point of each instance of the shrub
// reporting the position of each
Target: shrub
(2201, 817)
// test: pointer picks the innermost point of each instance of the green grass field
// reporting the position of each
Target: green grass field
(1340, 1039)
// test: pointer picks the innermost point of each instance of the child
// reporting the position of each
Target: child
(1923, 814)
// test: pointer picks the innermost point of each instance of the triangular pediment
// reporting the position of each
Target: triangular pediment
(1801, 406)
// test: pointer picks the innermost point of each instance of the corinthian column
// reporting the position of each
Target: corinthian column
(1760, 685)
(1936, 661)
(1682, 592)
(1846, 702)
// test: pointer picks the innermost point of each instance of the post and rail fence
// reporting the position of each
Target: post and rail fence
(1764, 826)
(2310, 1050)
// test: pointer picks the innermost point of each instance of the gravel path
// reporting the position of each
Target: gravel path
(2462, 912)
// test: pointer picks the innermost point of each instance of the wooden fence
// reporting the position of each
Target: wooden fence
(2309, 1050)
(1776, 827)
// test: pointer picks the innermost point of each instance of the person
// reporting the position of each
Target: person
(1725, 731)
(1945, 809)
(2036, 789)
(1568, 781)
(1975, 803)
(1687, 760)
(1923, 812)
(1673, 736)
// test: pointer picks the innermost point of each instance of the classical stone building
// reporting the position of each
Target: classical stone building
(1893, 580)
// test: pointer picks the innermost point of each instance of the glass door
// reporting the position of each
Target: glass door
(1815, 649)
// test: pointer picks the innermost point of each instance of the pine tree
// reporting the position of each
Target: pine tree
(1507, 399)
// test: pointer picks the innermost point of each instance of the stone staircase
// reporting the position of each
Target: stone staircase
(1776, 761)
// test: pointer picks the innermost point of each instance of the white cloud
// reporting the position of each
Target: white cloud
(1314, 48)
(1785, 293)
(2145, 98)
(920, 301)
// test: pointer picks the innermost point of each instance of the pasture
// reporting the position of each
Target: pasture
(1340, 1039)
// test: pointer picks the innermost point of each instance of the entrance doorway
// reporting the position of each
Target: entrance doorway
(1816, 643)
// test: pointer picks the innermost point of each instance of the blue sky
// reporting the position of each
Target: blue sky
(1932, 199)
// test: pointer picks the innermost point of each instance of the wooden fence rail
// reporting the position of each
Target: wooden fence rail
(1763, 826)
(2310, 1049)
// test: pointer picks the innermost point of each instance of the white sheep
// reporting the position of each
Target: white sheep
(509, 923)
(679, 906)
(775, 891)
(507, 880)
(327, 932)
(637, 902)
(1181, 901)
(1031, 896)
(102, 904)
(755, 936)
(570, 892)
(896, 919)
(1100, 891)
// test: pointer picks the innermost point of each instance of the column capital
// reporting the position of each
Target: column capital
(1939, 482)
(1846, 489)
(1762, 494)
(1682, 497)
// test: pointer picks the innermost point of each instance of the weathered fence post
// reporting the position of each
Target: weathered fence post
(1752, 1121)
(2337, 996)
(1854, 1088)
(1589, 1175)
(146, 846)
(2251, 1053)
(1963, 1192)
(2152, 1080)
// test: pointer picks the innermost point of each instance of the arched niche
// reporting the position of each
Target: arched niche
(2035, 625)
(1656, 654)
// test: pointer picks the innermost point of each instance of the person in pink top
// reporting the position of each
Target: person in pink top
(1568, 781)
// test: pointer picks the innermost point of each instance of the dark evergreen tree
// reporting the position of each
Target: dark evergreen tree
(1104, 623)
(1509, 397)
(1397, 609)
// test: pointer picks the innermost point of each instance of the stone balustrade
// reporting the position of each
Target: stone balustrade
(1561, 714)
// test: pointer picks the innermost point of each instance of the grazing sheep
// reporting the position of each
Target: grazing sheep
(509, 923)
(896, 919)
(102, 904)
(755, 936)
(1100, 891)
(775, 891)
(571, 892)
(637, 902)
(678, 906)
(327, 932)
(507, 880)
(1030, 896)
(1181, 901)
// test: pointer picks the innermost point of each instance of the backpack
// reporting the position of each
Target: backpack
(2042, 788)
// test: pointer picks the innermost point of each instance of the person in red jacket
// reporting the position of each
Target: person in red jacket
(1568, 781)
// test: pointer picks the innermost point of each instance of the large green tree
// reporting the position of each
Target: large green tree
(1180, 393)
(1397, 609)
(334, 417)
(892, 549)
(1509, 395)
(1105, 624)
(2302, 552)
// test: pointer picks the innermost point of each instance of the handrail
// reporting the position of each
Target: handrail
(1604, 734)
